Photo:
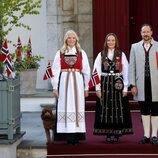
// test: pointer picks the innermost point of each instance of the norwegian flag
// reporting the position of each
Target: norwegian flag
(48, 73)
(29, 49)
(94, 79)
(18, 53)
(5, 57)
(119, 59)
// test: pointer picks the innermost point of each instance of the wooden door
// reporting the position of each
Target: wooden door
(110, 16)
(125, 18)
(141, 12)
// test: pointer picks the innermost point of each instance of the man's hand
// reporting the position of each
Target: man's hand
(134, 90)
(55, 93)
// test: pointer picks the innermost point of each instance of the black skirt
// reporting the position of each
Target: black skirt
(119, 123)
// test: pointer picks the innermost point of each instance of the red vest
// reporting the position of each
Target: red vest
(66, 65)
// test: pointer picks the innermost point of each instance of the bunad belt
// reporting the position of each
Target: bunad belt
(71, 70)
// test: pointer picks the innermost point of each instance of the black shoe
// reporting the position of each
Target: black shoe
(144, 140)
(69, 142)
(75, 142)
(108, 140)
(116, 140)
(48, 143)
(154, 140)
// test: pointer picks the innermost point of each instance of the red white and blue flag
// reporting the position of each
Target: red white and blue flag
(94, 79)
(5, 57)
(29, 49)
(48, 73)
(19, 53)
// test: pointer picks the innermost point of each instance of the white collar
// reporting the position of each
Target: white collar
(71, 51)
(110, 54)
(147, 46)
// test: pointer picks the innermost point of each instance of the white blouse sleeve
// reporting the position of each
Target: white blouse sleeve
(85, 69)
(97, 66)
(125, 66)
(56, 69)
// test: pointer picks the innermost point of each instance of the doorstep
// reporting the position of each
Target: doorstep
(32, 103)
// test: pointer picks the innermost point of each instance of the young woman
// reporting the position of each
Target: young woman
(112, 117)
(71, 72)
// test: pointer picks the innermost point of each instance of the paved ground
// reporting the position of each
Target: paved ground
(31, 123)
(34, 137)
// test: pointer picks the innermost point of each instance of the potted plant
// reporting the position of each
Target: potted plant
(25, 61)
(26, 66)
(11, 13)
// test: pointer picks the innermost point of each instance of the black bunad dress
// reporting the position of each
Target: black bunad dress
(112, 115)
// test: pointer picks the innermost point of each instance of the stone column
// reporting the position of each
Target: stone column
(76, 15)
(63, 15)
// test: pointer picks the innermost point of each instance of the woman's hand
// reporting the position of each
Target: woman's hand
(98, 93)
(55, 93)
(124, 94)
(86, 93)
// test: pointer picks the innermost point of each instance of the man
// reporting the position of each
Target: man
(143, 78)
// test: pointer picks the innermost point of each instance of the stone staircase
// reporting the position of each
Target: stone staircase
(33, 103)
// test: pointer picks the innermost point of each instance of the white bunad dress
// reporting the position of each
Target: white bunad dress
(71, 81)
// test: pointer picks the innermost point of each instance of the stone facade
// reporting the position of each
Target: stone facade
(49, 27)
(63, 15)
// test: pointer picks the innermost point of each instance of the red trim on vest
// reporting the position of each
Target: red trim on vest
(119, 60)
(78, 64)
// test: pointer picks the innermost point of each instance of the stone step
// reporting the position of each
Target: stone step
(32, 103)
(32, 153)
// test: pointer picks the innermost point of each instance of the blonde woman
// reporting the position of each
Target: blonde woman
(70, 85)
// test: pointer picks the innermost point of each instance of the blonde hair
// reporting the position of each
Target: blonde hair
(64, 48)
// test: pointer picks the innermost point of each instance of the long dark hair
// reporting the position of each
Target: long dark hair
(117, 51)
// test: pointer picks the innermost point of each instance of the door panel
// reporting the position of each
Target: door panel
(141, 12)
(110, 16)
(125, 18)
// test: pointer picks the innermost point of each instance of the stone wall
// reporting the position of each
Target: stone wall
(49, 27)
(63, 15)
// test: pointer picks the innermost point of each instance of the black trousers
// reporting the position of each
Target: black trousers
(148, 107)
